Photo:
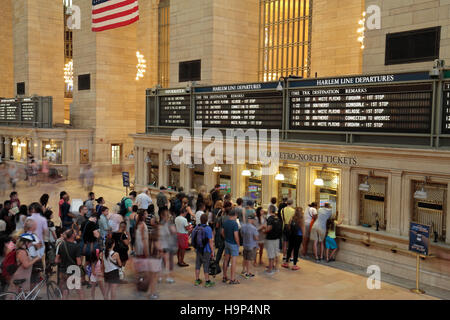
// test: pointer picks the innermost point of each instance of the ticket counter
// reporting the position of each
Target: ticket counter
(253, 182)
(326, 187)
(287, 188)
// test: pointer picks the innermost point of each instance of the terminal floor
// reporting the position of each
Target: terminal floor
(313, 281)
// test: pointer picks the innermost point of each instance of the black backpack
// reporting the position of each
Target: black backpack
(123, 209)
(277, 228)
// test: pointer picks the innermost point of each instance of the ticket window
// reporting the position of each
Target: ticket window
(253, 184)
(19, 150)
(326, 185)
(152, 162)
(287, 188)
(174, 177)
(372, 207)
(52, 151)
(432, 209)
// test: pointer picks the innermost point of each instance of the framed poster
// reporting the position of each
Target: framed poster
(84, 156)
(419, 238)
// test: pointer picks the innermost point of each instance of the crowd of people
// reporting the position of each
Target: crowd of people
(100, 241)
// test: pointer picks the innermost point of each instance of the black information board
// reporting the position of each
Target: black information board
(231, 108)
(446, 109)
(371, 108)
(175, 110)
(18, 110)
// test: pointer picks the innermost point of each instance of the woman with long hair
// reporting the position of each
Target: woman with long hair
(20, 217)
(44, 202)
(122, 240)
(185, 205)
(217, 211)
(261, 217)
(112, 266)
(296, 231)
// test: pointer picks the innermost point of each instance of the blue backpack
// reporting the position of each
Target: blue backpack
(199, 238)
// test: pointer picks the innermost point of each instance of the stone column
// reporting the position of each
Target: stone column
(161, 167)
(269, 189)
(210, 177)
(303, 187)
(139, 166)
(346, 194)
(7, 148)
(186, 178)
(237, 181)
(164, 174)
(36, 148)
(145, 168)
(394, 212)
(353, 214)
(447, 236)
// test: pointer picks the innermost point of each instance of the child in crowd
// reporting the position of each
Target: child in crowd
(330, 241)
(250, 242)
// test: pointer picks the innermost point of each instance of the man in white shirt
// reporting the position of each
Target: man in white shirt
(199, 213)
(41, 223)
(143, 200)
(310, 214)
(183, 228)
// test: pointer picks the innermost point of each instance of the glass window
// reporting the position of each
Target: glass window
(285, 39)
(326, 188)
(52, 151)
(432, 209)
(372, 206)
(288, 187)
(253, 184)
(115, 157)
(152, 161)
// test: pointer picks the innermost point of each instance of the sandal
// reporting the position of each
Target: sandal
(234, 282)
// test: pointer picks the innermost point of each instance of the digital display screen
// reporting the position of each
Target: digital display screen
(371, 108)
(251, 109)
(17, 110)
(446, 109)
(175, 111)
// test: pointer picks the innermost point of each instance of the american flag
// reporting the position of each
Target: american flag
(111, 14)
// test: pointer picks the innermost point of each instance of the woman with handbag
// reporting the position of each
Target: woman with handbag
(122, 241)
(112, 265)
(296, 231)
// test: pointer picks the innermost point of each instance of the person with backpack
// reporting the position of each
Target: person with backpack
(18, 264)
(126, 204)
(202, 240)
(274, 230)
(296, 229)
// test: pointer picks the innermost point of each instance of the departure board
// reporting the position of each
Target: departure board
(257, 109)
(366, 108)
(175, 110)
(17, 110)
(446, 109)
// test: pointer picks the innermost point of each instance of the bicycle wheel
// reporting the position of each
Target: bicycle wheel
(53, 292)
(8, 296)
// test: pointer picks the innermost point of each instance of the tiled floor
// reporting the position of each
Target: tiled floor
(313, 281)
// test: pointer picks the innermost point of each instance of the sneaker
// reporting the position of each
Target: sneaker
(198, 282)
(295, 268)
(209, 284)
(154, 296)
(276, 270)
(249, 275)
(291, 260)
(285, 265)
(244, 275)
(170, 280)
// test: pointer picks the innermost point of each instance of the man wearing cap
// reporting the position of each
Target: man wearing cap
(250, 237)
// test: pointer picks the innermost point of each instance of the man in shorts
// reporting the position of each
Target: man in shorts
(230, 233)
(250, 237)
(318, 231)
(204, 254)
(183, 228)
(273, 235)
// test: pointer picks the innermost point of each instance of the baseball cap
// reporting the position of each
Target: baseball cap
(251, 216)
(27, 236)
